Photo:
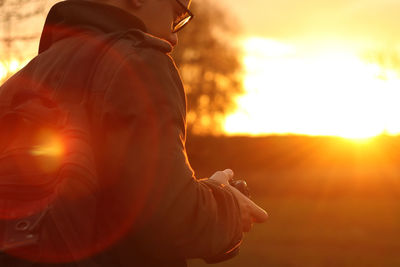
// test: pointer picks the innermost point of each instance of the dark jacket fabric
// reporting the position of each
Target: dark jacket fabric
(150, 208)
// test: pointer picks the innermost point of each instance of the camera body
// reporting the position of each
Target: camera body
(241, 185)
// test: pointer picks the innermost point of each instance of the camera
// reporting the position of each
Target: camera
(241, 185)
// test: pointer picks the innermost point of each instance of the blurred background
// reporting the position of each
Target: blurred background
(299, 98)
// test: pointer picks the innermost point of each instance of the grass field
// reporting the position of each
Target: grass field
(331, 202)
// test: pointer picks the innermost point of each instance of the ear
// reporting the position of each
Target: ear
(136, 3)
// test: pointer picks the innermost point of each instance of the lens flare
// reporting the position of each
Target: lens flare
(52, 149)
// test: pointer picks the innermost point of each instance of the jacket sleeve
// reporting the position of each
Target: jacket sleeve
(149, 181)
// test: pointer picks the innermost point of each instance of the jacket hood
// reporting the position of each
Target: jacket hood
(65, 18)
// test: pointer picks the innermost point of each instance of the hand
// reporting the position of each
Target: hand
(249, 211)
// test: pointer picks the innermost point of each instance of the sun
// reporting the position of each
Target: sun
(11, 67)
(329, 92)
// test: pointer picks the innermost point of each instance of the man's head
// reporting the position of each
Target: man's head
(158, 15)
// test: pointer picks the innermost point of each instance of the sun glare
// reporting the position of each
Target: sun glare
(52, 148)
(3, 71)
(329, 93)
(11, 67)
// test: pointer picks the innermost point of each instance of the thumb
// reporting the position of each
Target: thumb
(229, 173)
(223, 177)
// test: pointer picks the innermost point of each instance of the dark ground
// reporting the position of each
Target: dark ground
(332, 202)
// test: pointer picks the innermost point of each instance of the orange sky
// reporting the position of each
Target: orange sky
(308, 66)
(367, 20)
(311, 67)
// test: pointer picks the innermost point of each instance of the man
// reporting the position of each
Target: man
(150, 209)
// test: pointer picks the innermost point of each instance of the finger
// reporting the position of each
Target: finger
(229, 173)
(259, 215)
(221, 177)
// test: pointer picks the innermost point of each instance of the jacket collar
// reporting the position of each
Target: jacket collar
(68, 15)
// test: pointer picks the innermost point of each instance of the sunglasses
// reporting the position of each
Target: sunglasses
(183, 19)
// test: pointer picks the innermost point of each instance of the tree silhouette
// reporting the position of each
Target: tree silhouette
(210, 66)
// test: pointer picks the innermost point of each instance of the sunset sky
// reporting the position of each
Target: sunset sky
(323, 20)
(314, 67)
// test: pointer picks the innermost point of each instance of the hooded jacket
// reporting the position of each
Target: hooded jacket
(151, 210)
